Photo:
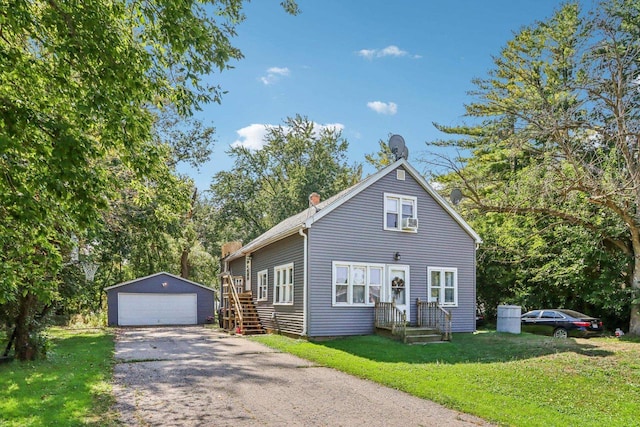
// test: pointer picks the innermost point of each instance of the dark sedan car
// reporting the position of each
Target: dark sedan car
(561, 323)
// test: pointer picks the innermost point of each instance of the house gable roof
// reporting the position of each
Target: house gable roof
(306, 218)
(159, 274)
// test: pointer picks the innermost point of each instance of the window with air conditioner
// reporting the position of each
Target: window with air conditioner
(400, 213)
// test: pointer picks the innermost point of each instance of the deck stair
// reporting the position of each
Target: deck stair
(421, 335)
(250, 324)
(238, 311)
(433, 323)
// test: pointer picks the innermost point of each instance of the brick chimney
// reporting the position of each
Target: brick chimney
(314, 199)
(229, 248)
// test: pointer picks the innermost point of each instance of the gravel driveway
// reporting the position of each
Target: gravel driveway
(194, 376)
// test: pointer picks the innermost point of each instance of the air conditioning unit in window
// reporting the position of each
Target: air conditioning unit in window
(410, 224)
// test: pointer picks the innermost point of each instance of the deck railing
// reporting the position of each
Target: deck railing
(432, 315)
(388, 316)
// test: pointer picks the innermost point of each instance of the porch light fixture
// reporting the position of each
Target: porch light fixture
(396, 256)
(165, 284)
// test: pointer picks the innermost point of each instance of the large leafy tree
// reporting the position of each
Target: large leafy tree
(268, 185)
(558, 130)
(541, 262)
(77, 84)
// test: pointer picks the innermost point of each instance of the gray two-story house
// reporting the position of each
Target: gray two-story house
(389, 238)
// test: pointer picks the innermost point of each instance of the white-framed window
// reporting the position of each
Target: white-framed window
(263, 283)
(397, 209)
(443, 285)
(238, 283)
(356, 283)
(283, 284)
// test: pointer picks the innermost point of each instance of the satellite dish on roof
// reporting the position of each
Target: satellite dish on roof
(405, 153)
(455, 196)
(397, 147)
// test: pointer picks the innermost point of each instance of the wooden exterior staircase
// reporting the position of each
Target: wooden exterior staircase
(238, 311)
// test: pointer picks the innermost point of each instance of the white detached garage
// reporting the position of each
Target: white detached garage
(159, 299)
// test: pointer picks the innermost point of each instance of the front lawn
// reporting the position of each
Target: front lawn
(519, 380)
(71, 388)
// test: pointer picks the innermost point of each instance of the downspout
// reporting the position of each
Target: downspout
(304, 284)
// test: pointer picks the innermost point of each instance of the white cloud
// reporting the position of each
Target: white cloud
(367, 53)
(390, 50)
(274, 74)
(390, 108)
(253, 136)
(317, 128)
(280, 71)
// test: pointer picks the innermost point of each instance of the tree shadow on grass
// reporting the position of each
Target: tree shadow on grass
(487, 347)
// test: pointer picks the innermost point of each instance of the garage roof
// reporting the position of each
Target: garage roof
(160, 274)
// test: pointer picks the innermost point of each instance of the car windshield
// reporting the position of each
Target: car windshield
(575, 314)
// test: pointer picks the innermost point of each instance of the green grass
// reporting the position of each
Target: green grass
(71, 388)
(519, 380)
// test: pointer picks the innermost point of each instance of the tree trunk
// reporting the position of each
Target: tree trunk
(634, 323)
(10, 343)
(184, 264)
(25, 348)
(184, 257)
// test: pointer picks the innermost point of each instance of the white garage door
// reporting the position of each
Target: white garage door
(157, 309)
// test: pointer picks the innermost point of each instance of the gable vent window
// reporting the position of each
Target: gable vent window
(400, 174)
(400, 213)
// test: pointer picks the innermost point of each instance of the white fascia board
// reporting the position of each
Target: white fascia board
(441, 201)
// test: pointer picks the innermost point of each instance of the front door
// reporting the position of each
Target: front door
(397, 287)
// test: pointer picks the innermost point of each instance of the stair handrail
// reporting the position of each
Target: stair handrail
(447, 323)
(231, 289)
(432, 314)
(388, 316)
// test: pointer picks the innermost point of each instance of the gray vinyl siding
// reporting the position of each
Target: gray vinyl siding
(237, 267)
(355, 232)
(288, 318)
(153, 284)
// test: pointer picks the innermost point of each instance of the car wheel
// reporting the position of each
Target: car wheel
(560, 333)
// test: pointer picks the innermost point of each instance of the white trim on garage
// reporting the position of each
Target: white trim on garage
(147, 309)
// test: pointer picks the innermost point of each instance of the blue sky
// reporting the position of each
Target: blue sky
(369, 67)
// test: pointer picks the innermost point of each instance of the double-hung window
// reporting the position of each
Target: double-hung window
(397, 210)
(356, 283)
(263, 281)
(283, 284)
(443, 285)
(238, 283)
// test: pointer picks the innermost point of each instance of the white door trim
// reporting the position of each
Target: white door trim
(389, 295)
